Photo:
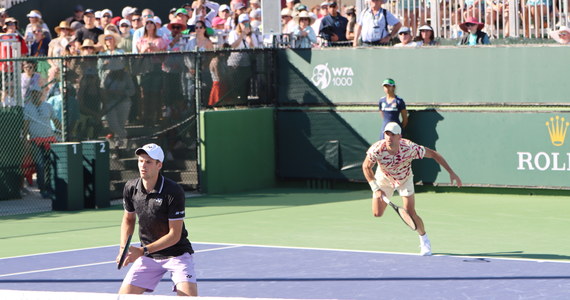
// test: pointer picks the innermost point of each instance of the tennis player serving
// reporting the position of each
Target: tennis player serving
(159, 204)
(394, 156)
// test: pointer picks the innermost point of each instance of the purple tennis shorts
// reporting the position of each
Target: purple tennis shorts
(147, 272)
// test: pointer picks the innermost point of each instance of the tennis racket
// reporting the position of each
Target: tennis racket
(125, 252)
(403, 213)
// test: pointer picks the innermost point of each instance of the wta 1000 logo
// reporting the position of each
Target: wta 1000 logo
(325, 76)
(555, 161)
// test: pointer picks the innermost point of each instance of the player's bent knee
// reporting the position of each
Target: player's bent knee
(131, 289)
(187, 289)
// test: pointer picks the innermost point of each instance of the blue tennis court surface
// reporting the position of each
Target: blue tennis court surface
(279, 272)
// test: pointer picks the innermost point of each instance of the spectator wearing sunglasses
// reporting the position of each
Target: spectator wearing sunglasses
(35, 18)
(126, 33)
(40, 45)
(106, 16)
(11, 26)
(473, 33)
(148, 15)
(136, 20)
(405, 36)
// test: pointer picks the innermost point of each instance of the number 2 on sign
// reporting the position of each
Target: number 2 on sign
(102, 147)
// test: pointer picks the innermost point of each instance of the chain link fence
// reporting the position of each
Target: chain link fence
(129, 100)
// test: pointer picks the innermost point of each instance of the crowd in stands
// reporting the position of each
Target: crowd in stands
(326, 24)
(101, 87)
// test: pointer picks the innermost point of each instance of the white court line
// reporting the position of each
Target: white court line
(99, 263)
(308, 248)
(387, 252)
(57, 269)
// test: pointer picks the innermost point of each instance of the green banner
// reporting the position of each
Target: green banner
(484, 148)
(431, 75)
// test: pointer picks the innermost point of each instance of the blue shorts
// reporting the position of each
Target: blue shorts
(147, 272)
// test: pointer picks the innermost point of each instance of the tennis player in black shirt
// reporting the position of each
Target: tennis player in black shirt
(159, 203)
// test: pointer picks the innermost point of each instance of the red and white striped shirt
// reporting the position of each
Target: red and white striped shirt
(397, 167)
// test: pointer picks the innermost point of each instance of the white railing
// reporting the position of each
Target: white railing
(502, 18)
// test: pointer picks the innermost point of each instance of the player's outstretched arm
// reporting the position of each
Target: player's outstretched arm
(440, 160)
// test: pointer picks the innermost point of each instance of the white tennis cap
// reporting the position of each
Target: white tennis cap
(154, 151)
(393, 127)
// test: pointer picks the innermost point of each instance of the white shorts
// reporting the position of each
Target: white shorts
(405, 188)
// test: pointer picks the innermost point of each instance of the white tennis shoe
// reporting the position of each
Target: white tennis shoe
(425, 248)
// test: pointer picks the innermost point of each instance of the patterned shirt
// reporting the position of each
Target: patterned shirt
(397, 168)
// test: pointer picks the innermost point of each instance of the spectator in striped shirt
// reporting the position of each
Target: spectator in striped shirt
(394, 156)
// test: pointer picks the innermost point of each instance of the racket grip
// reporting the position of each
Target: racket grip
(385, 199)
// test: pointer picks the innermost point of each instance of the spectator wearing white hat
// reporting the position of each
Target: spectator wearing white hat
(561, 36)
(254, 4)
(127, 13)
(106, 16)
(242, 37)
(126, 32)
(222, 20)
(286, 19)
(35, 17)
(98, 15)
(304, 35)
(426, 36)
(290, 4)
(255, 17)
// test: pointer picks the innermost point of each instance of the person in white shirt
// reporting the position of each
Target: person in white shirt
(394, 156)
(405, 36)
(372, 25)
(240, 63)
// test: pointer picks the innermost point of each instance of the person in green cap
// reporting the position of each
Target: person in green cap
(391, 106)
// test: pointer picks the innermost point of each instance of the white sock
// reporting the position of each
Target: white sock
(424, 238)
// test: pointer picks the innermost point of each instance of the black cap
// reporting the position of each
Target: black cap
(78, 7)
(89, 11)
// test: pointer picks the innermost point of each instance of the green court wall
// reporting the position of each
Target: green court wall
(237, 150)
(426, 75)
(492, 148)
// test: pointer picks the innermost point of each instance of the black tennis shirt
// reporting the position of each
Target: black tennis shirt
(154, 209)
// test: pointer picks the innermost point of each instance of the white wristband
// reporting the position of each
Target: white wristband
(373, 185)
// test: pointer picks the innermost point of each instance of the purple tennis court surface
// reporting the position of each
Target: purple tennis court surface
(279, 272)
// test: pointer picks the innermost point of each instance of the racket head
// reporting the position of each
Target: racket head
(405, 216)
(125, 252)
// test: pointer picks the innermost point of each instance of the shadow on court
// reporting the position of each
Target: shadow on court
(513, 254)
